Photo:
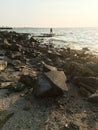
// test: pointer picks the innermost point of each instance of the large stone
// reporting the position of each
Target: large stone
(93, 98)
(57, 78)
(50, 84)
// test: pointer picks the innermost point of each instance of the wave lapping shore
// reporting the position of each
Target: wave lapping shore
(42, 87)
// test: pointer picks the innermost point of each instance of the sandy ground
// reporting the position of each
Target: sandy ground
(70, 112)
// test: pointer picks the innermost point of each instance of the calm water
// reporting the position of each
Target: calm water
(76, 38)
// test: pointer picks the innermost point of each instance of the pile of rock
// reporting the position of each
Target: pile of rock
(26, 63)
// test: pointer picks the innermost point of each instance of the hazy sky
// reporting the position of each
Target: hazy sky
(49, 13)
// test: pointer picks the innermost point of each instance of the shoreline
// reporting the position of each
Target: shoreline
(46, 87)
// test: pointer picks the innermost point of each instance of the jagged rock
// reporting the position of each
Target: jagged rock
(58, 78)
(3, 65)
(89, 83)
(47, 67)
(93, 98)
(50, 84)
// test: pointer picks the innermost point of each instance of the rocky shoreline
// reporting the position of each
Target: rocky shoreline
(63, 82)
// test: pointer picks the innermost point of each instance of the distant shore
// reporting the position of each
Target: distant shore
(6, 28)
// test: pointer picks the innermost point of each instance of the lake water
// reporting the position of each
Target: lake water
(75, 38)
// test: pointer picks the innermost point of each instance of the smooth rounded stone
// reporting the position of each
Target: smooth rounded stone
(3, 65)
(93, 98)
(47, 67)
(50, 84)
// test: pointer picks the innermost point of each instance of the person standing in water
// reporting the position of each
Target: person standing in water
(51, 31)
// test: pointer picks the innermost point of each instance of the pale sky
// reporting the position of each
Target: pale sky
(49, 13)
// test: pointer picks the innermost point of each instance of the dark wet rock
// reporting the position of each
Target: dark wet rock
(89, 83)
(16, 87)
(47, 67)
(15, 47)
(28, 80)
(93, 98)
(3, 65)
(50, 84)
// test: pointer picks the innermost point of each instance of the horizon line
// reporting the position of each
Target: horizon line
(49, 27)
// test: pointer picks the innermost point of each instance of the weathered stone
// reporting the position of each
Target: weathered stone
(93, 98)
(3, 65)
(50, 84)
(42, 87)
(58, 79)
(77, 69)
(47, 67)
(89, 83)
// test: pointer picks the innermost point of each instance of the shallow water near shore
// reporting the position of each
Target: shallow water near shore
(75, 38)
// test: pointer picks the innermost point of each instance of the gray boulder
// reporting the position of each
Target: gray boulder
(50, 84)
